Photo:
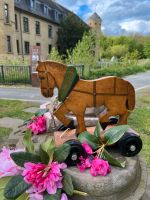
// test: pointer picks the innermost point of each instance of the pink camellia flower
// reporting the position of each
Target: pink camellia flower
(87, 148)
(35, 196)
(7, 165)
(99, 167)
(84, 164)
(64, 197)
(38, 125)
(44, 177)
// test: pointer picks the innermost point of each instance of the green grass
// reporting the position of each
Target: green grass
(118, 70)
(140, 121)
(4, 132)
(14, 109)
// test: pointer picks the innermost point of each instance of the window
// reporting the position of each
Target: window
(60, 16)
(56, 15)
(32, 3)
(49, 48)
(6, 13)
(9, 49)
(16, 22)
(37, 27)
(49, 31)
(38, 44)
(45, 9)
(25, 24)
(26, 47)
(17, 44)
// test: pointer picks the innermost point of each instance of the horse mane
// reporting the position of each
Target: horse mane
(55, 64)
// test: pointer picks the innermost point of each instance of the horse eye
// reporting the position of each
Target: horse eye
(42, 78)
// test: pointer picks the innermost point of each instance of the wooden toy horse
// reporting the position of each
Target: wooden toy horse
(116, 94)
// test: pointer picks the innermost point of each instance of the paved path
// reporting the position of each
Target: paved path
(25, 94)
(139, 81)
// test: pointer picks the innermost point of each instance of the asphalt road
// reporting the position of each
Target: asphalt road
(139, 81)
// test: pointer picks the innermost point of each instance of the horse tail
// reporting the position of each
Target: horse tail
(130, 97)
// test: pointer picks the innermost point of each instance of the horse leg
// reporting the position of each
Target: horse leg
(104, 118)
(81, 124)
(123, 118)
(60, 114)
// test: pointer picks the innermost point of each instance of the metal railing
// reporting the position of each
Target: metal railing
(15, 74)
(80, 69)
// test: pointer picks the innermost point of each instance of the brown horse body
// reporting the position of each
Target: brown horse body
(116, 94)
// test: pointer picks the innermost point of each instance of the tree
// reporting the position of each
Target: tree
(147, 50)
(71, 31)
(119, 50)
(84, 52)
(54, 55)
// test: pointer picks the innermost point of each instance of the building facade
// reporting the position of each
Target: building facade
(27, 23)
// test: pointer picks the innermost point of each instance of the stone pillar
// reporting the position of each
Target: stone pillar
(35, 79)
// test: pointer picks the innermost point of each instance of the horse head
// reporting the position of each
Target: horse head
(47, 81)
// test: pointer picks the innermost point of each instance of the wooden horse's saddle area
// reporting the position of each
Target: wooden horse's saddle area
(103, 86)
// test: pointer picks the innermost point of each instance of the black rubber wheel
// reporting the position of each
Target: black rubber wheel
(76, 151)
(130, 145)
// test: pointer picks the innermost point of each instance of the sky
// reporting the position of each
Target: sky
(119, 17)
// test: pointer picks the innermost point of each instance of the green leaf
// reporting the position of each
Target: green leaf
(28, 142)
(97, 130)
(112, 135)
(113, 161)
(67, 184)
(15, 187)
(92, 140)
(26, 122)
(24, 196)
(44, 156)
(41, 112)
(56, 196)
(3, 183)
(49, 147)
(62, 152)
(20, 158)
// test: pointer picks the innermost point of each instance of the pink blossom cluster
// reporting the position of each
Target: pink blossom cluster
(97, 166)
(7, 166)
(39, 196)
(37, 125)
(44, 177)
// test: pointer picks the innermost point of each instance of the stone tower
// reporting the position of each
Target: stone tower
(7, 28)
(95, 22)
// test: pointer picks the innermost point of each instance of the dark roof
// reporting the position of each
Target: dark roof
(38, 9)
(95, 17)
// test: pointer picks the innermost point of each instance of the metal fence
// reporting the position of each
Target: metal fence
(21, 74)
(15, 74)
(80, 69)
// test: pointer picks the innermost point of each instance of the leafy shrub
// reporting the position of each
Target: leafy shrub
(54, 55)
(118, 71)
